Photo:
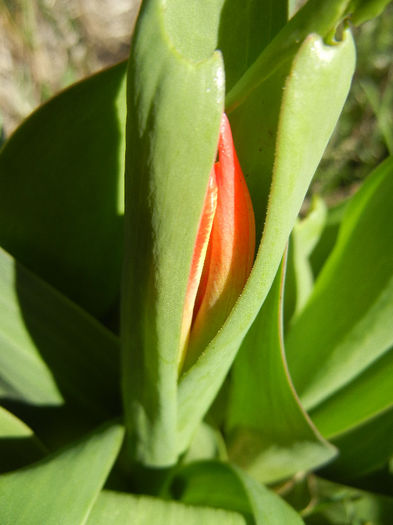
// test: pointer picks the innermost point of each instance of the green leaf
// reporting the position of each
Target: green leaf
(207, 443)
(328, 237)
(272, 436)
(220, 485)
(175, 102)
(268, 508)
(246, 27)
(61, 190)
(346, 325)
(63, 487)
(316, 16)
(317, 84)
(305, 236)
(18, 444)
(115, 508)
(363, 10)
(51, 350)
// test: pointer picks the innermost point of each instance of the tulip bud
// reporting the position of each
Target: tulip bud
(223, 252)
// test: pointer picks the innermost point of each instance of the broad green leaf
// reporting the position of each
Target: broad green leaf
(18, 444)
(115, 508)
(316, 16)
(61, 190)
(51, 350)
(62, 488)
(346, 324)
(220, 485)
(267, 507)
(272, 436)
(317, 84)
(175, 102)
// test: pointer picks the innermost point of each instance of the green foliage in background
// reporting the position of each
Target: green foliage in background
(287, 415)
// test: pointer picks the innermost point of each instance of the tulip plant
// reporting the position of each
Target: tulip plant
(177, 344)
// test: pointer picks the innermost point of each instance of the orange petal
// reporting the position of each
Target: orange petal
(198, 259)
(230, 251)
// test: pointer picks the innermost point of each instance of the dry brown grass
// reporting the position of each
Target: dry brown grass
(47, 44)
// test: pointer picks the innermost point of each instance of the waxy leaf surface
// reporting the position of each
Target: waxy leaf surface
(175, 103)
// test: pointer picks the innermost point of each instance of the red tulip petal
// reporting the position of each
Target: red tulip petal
(198, 259)
(231, 248)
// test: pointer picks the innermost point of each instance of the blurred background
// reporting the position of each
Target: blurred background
(46, 45)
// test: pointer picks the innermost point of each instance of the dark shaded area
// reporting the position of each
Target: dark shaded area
(83, 358)
(17, 452)
(238, 19)
(361, 450)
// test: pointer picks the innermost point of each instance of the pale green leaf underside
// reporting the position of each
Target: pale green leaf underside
(61, 489)
(114, 508)
(318, 84)
(175, 102)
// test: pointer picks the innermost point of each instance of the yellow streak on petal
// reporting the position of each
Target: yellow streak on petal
(198, 259)
(231, 249)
